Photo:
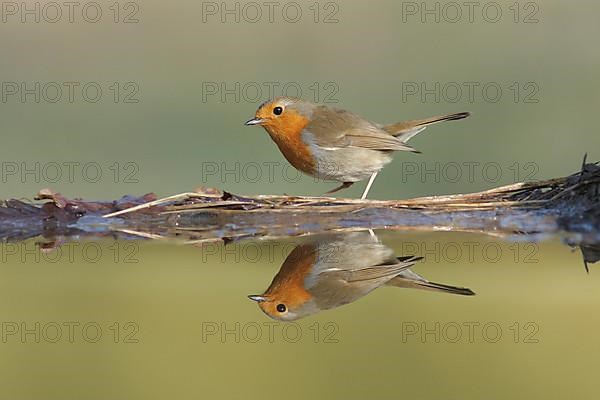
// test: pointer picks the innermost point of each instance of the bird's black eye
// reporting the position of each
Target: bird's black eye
(277, 111)
(281, 307)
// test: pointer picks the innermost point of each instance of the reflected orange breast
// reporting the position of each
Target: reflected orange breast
(289, 283)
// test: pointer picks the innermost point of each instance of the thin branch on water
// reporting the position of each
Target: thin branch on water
(554, 206)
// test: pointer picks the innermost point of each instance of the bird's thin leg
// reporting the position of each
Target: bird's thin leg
(342, 186)
(371, 180)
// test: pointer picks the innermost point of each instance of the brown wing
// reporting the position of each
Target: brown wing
(332, 128)
(376, 140)
(339, 287)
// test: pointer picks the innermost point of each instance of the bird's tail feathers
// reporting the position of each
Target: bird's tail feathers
(407, 129)
(410, 279)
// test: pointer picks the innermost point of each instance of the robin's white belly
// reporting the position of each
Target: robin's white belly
(347, 164)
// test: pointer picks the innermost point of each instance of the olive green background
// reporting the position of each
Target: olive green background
(173, 134)
(173, 137)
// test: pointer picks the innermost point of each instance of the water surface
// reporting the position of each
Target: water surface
(141, 319)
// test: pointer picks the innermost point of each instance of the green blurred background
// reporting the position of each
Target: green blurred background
(176, 134)
(173, 134)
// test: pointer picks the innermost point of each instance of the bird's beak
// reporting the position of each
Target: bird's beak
(257, 298)
(254, 121)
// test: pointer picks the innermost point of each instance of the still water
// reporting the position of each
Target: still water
(339, 315)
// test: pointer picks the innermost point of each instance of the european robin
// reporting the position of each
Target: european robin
(333, 144)
(332, 270)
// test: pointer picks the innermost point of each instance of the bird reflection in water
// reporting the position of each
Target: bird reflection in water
(329, 271)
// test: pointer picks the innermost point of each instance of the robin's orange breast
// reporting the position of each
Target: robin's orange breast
(287, 134)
